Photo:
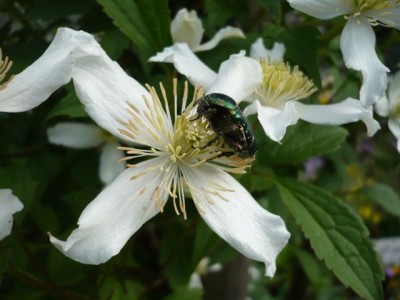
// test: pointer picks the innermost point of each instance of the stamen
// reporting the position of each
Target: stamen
(185, 96)
(372, 5)
(177, 149)
(142, 190)
(376, 7)
(281, 84)
(5, 66)
(175, 83)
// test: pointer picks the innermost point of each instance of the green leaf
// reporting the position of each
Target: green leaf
(185, 293)
(145, 23)
(301, 142)
(385, 196)
(176, 257)
(302, 46)
(115, 289)
(311, 267)
(219, 12)
(272, 6)
(205, 242)
(114, 43)
(18, 178)
(261, 178)
(337, 236)
(155, 14)
(69, 106)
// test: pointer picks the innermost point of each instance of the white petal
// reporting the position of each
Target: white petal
(347, 111)
(388, 16)
(357, 43)
(110, 167)
(235, 216)
(388, 249)
(114, 216)
(188, 64)
(258, 51)
(224, 33)
(382, 107)
(195, 281)
(321, 9)
(187, 28)
(274, 121)
(104, 88)
(394, 91)
(75, 135)
(251, 109)
(9, 204)
(394, 126)
(36, 83)
(237, 77)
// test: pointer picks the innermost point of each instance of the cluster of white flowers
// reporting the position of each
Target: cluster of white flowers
(357, 43)
(177, 167)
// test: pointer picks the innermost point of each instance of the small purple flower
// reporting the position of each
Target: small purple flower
(312, 166)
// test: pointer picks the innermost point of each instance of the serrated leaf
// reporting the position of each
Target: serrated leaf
(145, 23)
(385, 196)
(337, 236)
(301, 142)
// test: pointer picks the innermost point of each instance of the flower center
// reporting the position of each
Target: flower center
(177, 148)
(359, 6)
(194, 142)
(381, 8)
(5, 66)
(281, 84)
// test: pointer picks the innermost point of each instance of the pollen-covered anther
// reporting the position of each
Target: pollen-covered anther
(5, 66)
(282, 83)
(198, 134)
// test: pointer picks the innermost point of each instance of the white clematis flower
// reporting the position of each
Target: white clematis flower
(357, 41)
(85, 136)
(187, 28)
(237, 77)
(389, 106)
(9, 204)
(180, 160)
(275, 99)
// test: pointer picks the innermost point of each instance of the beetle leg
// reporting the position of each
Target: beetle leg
(214, 140)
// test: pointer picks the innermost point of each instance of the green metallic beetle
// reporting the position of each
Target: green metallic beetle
(228, 121)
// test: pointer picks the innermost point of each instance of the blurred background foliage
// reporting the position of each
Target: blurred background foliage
(314, 165)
